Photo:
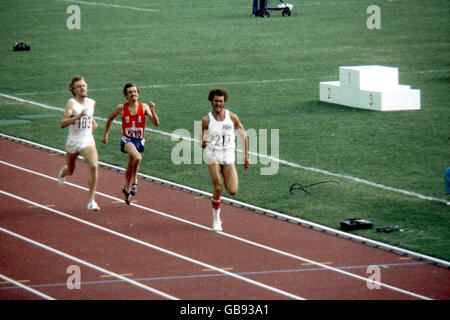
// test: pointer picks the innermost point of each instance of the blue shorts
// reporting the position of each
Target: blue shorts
(138, 143)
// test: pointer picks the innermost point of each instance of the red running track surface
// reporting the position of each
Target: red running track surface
(164, 246)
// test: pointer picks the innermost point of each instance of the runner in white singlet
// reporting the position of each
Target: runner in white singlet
(218, 138)
(80, 132)
(79, 118)
(221, 146)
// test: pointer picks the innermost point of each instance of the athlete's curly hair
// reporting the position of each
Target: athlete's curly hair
(219, 93)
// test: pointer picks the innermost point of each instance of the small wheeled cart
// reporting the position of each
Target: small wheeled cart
(285, 9)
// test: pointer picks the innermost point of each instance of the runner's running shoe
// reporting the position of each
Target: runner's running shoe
(127, 195)
(61, 180)
(93, 206)
(133, 189)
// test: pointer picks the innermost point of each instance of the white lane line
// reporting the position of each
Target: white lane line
(105, 195)
(110, 5)
(20, 285)
(271, 213)
(80, 261)
(264, 156)
(149, 245)
(182, 85)
(228, 235)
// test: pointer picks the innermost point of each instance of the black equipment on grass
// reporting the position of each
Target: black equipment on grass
(299, 186)
(283, 7)
(356, 224)
(21, 46)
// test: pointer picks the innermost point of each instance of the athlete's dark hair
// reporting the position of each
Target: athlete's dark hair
(129, 85)
(219, 93)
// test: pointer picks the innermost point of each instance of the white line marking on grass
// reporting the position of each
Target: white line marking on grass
(284, 162)
(110, 5)
(18, 284)
(222, 83)
(146, 244)
(203, 227)
(182, 85)
(45, 106)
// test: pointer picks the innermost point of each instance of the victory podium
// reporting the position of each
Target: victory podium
(370, 87)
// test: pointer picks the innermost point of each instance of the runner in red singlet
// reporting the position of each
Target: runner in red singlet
(133, 114)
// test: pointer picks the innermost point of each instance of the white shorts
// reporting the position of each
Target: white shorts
(76, 146)
(221, 156)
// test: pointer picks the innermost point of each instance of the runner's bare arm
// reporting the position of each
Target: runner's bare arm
(68, 117)
(94, 125)
(204, 139)
(241, 131)
(149, 110)
(117, 111)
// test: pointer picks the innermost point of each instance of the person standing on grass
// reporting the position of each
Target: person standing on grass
(133, 114)
(79, 117)
(217, 138)
(262, 7)
(447, 181)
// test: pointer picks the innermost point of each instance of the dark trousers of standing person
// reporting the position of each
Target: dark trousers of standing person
(262, 5)
(447, 181)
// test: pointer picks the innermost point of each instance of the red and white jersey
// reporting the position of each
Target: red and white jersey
(133, 126)
(82, 128)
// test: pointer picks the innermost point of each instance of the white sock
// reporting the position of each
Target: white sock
(216, 209)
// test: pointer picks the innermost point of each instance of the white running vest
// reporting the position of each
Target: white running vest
(82, 128)
(221, 133)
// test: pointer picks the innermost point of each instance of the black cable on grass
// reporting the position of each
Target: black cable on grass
(299, 186)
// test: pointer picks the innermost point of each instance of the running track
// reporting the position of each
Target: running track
(161, 247)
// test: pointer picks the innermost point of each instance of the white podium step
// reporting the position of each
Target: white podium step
(370, 87)
(368, 77)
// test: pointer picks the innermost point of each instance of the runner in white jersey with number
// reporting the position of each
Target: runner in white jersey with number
(221, 144)
(79, 117)
(218, 137)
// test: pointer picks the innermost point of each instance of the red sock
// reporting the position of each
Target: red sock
(216, 204)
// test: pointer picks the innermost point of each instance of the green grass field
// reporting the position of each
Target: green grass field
(271, 69)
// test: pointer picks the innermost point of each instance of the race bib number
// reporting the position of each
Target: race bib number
(221, 140)
(84, 122)
(136, 133)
